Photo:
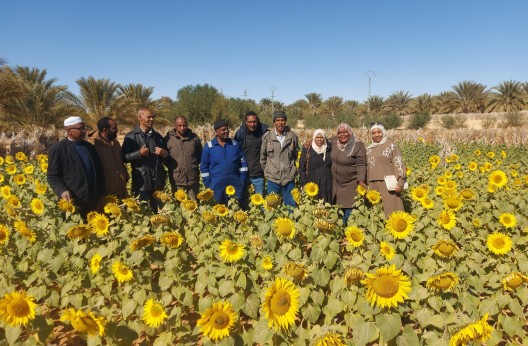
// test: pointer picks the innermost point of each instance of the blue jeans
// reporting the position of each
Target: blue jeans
(284, 191)
(258, 184)
(346, 215)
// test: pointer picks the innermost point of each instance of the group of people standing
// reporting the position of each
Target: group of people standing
(84, 171)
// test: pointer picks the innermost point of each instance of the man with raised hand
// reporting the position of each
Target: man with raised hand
(74, 170)
(223, 164)
(145, 149)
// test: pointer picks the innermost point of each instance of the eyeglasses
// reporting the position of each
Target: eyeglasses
(80, 128)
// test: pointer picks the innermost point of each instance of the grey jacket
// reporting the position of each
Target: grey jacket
(278, 161)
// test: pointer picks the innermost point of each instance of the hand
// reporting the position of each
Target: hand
(398, 189)
(66, 195)
(160, 151)
(362, 183)
(144, 151)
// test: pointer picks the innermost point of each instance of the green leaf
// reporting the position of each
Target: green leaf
(204, 303)
(165, 282)
(226, 287)
(242, 281)
(489, 306)
(128, 307)
(365, 332)
(330, 260)
(408, 337)
(12, 334)
(312, 314)
(164, 338)
(332, 308)
(435, 321)
(435, 302)
(516, 308)
(237, 300)
(348, 297)
(512, 326)
(322, 277)
(251, 306)
(388, 325)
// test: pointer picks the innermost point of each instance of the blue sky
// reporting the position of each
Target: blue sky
(290, 47)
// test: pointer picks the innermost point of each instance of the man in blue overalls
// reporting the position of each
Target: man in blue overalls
(223, 164)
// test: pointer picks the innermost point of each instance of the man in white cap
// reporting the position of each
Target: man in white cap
(74, 169)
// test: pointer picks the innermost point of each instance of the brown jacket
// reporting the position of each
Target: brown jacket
(114, 171)
(347, 171)
(185, 154)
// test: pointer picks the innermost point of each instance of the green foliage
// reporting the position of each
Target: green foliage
(513, 119)
(196, 102)
(488, 122)
(419, 121)
(453, 121)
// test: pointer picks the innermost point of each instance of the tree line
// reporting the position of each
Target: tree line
(29, 98)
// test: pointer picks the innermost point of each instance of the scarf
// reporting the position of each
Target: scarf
(347, 147)
(322, 148)
(383, 140)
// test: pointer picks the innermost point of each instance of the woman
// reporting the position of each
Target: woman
(314, 165)
(349, 168)
(384, 159)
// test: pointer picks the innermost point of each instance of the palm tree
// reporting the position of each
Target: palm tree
(265, 106)
(131, 98)
(469, 97)
(375, 105)
(423, 104)
(508, 97)
(399, 102)
(333, 105)
(351, 106)
(444, 102)
(315, 101)
(98, 98)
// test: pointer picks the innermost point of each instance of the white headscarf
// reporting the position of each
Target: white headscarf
(383, 140)
(322, 148)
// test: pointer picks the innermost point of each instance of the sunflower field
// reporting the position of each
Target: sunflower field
(452, 270)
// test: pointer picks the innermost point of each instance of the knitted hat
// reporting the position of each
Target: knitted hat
(219, 123)
(279, 114)
(72, 121)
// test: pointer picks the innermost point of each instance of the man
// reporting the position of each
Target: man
(74, 169)
(185, 150)
(104, 139)
(277, 157)
(144, 148)
(223, 164)
(249, 136)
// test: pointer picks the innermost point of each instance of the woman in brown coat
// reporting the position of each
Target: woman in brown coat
(385, 159)
(349, 168)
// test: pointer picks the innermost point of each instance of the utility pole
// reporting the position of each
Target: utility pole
(245, 94)
(272, 89)
(370, 74)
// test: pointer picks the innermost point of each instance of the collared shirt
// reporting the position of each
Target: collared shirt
(280, 137)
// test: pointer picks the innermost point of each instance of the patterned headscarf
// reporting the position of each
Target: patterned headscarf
(383, 140)
(349, 145)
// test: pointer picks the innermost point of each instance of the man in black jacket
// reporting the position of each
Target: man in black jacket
(249, 135)
(74, 170)
(145, 149)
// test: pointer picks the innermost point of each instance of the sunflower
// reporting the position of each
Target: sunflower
(181, 195)
(17, 308)
(387, 250)
(273, 200)
(418, 193)
(153, 313)
(205, 195)
(427, 203)
(295, 270)
(257, 241)
(354, 236)
(4, 234)
(221, 210)
(476, 331)
(159, 219)
(450, 185)
(91, 215)
(387, 287)
(353, 276)
(142, 242)
(399, 224)
(5, 191)
(467, 194)
(19, 179)
(441, 180)
(311, 189)
(442, 282)
(28, 234)
(240, 216)
(100, 224)
(231, 251)
(490, 154)
(448, 174)
(514, 280)
(14, 201)
(9, 159)
(230, 190)
(257, 199)
(267, 263)
(29, 169)
(452, 158)
(79, 231)
(373, 196)
(445, 248)
(328, 339)
(66, 206)
(121, 272)
(447, 219)
(113, 209)
(172, 239)
(439, 190)
(284, 227)
(189, 205)
(321, 212)
(208, 216)
(281, 304)
(498, 178)
(361, 190)
(40, 189)
(216, 322)
(296, 194)
(1, 160)
(21, 156)
(434, 161)
(163, 196)
(44, 167)
(453, 203)
(131, 204)
(487, 166)
(84, 322)
(37, 206)
(11, 169)
(1, 178)
(472, 166)
(95, 263)
(508, 220)
(10, 211)
(323, 225)
(499, 243)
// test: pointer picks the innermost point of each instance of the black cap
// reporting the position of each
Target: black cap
(219, 123)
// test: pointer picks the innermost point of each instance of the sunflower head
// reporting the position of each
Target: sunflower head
(37, 206)
(113, 209)
(323, 225)
(189, 205)
(499, 243)
(512, 281)
(231, 251)
(387, 287)
(467, 194)
(361, 190)
(84, 322)
(427, 203)
(257, 241)
(418, 193)
(453, 203)
(240, 216)
(387, 251)
(296, 194)
(295, 270)
(95, 263)
(476, 331)
(204, 195)
(153, 313)
(353, 276)
(131, 204)
(321, 212)
(181, 195)
(221, 210)
(267, 263)
(4, 234)
(257, 199)
(273, 200)
(79, 231)
(142, 242)
(122, 272)
(354, 236)
(498, 178)
(445, 248)
(472, 166)
(442, 282)
(281, 304)
(17, 308)
(447, 219)
(159, 219)
(329, 339)
(172, 239)
(508, 220)
(100, 224)
(21, 156)
(216, 322)
(66, 206)
(230, 190)
(311, 189)
(284, 228)
(373, 196)
(208, 216)
(19, 179)
(400, 224)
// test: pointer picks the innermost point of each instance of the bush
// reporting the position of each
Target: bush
(391, 121)
(453, 121)
(419, 120)
(513, 119)
(488, 122)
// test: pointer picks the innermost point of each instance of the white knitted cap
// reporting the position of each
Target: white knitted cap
(72, 121)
